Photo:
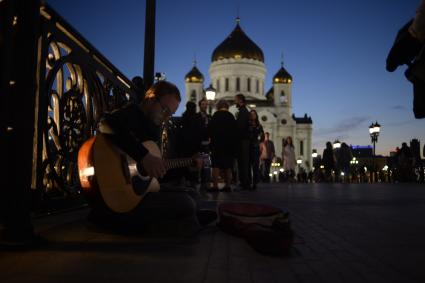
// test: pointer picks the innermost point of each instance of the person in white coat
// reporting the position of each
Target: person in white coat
(289, 161)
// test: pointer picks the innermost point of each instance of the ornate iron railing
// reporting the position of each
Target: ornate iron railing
(76, 85)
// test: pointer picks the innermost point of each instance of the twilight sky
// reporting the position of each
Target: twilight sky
(335, 51)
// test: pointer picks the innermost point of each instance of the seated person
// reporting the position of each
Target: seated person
(171, 209)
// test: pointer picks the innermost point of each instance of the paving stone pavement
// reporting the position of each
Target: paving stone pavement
(344, 233)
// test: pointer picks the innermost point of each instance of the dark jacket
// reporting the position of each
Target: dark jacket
(222, 133)
(254, 135)
(190, 134)
(204, 119)
(328, 158)
(242, 122)
(131, 127)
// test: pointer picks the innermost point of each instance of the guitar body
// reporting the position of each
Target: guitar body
(115, 178)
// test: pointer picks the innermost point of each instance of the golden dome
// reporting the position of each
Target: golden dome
(237, 45)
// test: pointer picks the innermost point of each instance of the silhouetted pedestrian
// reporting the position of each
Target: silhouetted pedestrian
(255, 132)
(242, 122)
(223, 144)
(190, 140)
(328, 160)
(289, 161)
(204, 119)
(345, 156)
(267, 153)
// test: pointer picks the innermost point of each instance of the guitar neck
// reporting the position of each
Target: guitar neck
(178, 163)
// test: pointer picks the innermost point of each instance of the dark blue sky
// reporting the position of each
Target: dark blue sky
(334, 49)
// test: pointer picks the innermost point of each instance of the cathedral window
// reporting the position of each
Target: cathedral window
(301, 148)
(264, 118)
(283, 98)
(248, 83)
(257, 86)
(238, 84)
(193, 96)
(226, 84)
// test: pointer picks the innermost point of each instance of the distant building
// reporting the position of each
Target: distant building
(237, 66)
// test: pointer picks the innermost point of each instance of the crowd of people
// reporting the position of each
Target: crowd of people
(241, 152)
(336, 165)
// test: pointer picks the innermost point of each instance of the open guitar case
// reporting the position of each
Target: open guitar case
(266, 228)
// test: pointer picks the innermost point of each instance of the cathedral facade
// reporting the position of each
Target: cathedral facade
(237, 66)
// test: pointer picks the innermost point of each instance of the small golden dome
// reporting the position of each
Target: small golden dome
(282, 76)
(194, 76)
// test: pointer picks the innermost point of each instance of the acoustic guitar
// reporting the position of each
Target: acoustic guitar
(107, 172)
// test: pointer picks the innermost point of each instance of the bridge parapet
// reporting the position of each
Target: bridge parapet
(77, 84)
(65, 84)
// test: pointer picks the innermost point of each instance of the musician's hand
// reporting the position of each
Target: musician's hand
(153, 166)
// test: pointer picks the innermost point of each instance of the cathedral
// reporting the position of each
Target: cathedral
(237, 66)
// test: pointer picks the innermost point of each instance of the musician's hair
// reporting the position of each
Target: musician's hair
(160, 89)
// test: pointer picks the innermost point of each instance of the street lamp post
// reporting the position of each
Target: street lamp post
(210, 94)
(299, 162)
(314, 156)
(374, 130)
(337, 147)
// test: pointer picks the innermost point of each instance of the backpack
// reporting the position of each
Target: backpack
(266, 228)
